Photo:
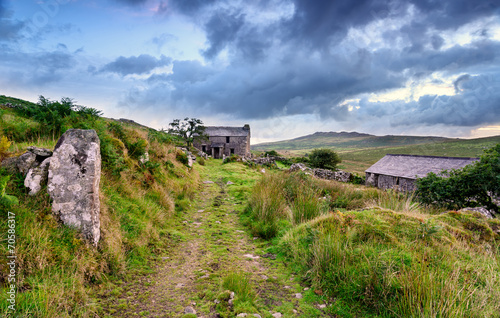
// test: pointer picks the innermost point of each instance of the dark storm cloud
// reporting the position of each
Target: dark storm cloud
(475, 104)
(190, 7)
(318, 22)
(454, 13)
(222, 28)
(141, 64)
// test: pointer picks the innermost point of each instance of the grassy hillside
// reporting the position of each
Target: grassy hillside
(57, 272)
(378, 254)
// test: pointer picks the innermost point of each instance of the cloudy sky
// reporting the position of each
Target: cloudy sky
(286, 67)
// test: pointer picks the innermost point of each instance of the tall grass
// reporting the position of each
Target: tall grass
(381, 253)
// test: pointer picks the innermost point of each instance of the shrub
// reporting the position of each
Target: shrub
(182, 157)
(324, 159)
(271, 153)
(4, 146)
(201, 161)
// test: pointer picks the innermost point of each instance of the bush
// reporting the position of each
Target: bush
(201, 161)
(473, 185)
(324, 159)
(182, 157)
(272, 153)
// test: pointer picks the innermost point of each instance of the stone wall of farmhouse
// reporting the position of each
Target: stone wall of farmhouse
(390, 182)
(241, 145)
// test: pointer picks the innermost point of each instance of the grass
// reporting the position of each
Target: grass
(379, 254)
(58, 273)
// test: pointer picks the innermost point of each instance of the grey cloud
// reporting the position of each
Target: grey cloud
(141, 64)
(132, 2)
(10, 30)
(37, 68)
(190, 7)
(475, 104)
(222, 28)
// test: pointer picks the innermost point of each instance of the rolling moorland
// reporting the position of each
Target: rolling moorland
(360, 151)
(226, 239)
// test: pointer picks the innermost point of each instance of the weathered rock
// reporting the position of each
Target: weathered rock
(484, 211)
(42, 152)
(299, 166)
(277, 315)
(73, 184)
(37, 177)
(144, 158)
(242, 314)
(22, 163)
(298, 295)
(189, 310)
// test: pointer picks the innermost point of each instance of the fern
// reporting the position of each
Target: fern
(4, 145)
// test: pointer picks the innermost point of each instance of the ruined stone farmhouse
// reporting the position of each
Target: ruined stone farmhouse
(225, 141)
(399, 172)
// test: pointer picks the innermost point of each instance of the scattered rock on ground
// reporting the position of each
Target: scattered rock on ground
(298, 295)
(208, 182)
(242, 315)
(42, 152)
(484, 211)
(22, 163)
(73, 181)
(277, 315)
(269, 255)
(189, 310)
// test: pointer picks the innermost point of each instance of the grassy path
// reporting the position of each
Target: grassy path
(216, 256)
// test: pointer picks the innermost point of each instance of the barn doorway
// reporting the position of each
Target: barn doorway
(216, 153)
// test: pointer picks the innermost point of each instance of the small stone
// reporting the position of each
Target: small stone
(257, 315)
(322, 306)
(199, 211)
(165, 258)
(264, 277)
(251, 256)
(269, 255)
(230, 302)
(294, 311)
(307, 288)
(208, 182)
(263, 170)
(189, 310)
(277, 315)
(179, 285)
(231, 295)
(218, 222)
(239, 231)
(298, 295)
(242, 315)
(229, 183)
(287, 287)
(217, 301)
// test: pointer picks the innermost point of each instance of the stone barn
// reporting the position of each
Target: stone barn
(225, 141)
(399, 172)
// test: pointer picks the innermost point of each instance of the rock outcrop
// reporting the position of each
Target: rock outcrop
(73, 181)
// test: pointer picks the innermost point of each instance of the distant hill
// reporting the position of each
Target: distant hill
(359, 151)
(344, 141)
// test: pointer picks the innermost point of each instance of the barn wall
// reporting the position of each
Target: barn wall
(371, 179)
(387, 182)
(241, 145)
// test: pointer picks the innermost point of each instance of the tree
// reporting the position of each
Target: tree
(188, 129)
(474, 185)
(324, 158)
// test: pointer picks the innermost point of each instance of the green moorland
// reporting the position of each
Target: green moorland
(379, 254)
(173, 237)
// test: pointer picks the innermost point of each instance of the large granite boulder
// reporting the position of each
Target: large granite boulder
(73, 181)
(37, 177)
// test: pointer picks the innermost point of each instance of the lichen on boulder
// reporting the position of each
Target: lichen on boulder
(73, 181)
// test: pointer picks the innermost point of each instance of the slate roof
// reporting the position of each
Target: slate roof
(412, 166)
(220, 131)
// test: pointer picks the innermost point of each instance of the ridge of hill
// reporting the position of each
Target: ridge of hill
(345, 141)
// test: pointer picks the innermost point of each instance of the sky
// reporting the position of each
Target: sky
(286, 67)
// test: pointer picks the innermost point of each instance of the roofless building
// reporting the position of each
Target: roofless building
(225, 141)
(399, 172)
